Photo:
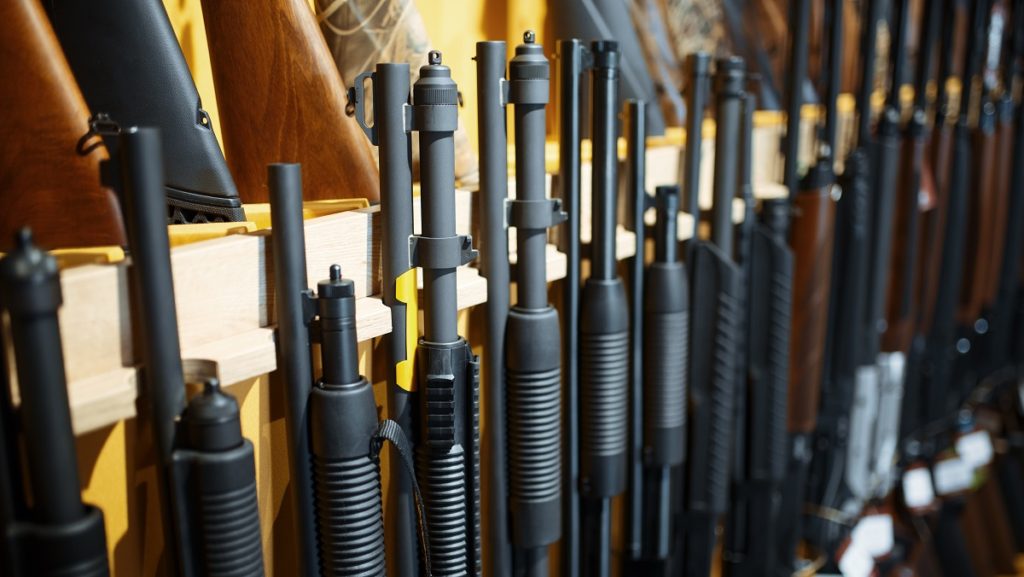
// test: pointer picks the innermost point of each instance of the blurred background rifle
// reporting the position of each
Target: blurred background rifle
(282, 100)
(49, 180)
(130, 67)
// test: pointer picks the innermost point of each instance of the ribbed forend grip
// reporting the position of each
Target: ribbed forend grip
(230, 533)
(723, 394)
(350, 523)
(604, 403)
(442, 479)
(533, 401)
(666, 339)
(776, 380)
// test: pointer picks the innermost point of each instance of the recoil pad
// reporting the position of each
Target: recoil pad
(666, 348)
(82, 547)
(604, 388)
(346, 477)
(533, 403)
(444, 458)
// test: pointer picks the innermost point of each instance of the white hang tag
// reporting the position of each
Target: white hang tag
(975, 448)
(952, 476)
(918, 491)
(873, 533)
(856, 561)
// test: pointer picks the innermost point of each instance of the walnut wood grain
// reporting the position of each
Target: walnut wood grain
(899, 310)
(1000, 210)
(44, 182)
(811, 237)
(981, 194)
(933, 224)
(281, 99)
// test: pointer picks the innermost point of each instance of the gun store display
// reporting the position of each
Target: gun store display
(414, 288)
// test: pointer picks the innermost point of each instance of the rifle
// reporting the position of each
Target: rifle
(271, 68)
(570, 67)
(398, 287)
(533, 355)
(811, 238)
(206, 469)
(1002, 314)
(137, 76)
(716, 321)
(611, 19)
(604, 333)
(45, 103)
(54, 533)
(747, 44)
(344, 437)
(494, 266)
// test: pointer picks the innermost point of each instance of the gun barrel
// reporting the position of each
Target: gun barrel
(799, 17)
(570, 67)
(293, 345)
(494, 265)
(698, 66)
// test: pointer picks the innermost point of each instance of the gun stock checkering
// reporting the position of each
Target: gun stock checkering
(761, 343)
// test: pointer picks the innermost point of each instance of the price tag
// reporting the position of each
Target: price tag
(918, 491)
(856, 562)
(975, 448)
(952, 476)
(873, 533)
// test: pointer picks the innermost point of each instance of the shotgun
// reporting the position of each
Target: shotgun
(916, 182)
(760, 444)
(447, 425)
(665, 360)
(390, 133)
(604, 333)
(713, 333)
(569, 87)
(130, 67)
(494, 266)
(533, 355)
(272, 70)
(611, 19)
(46, 108)
(881, 371)
(55, 533)
(344, 437)
(1002, 314)
(206, 469)
(637, 203)
(826, 490)
(811, 237)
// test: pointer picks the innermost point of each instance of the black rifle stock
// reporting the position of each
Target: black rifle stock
(604, 333)
(570, 69)
(533, 354)
(494, 265)
(398, 278)
(715, 322)
(55, 533)
(206, 469)
(129, 65)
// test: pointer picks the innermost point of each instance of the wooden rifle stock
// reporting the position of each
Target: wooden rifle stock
(811, 238)
(281, 99)
(979, 234)
(900, 311)
(1000, 210)
(45, 182)
(934, 222)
